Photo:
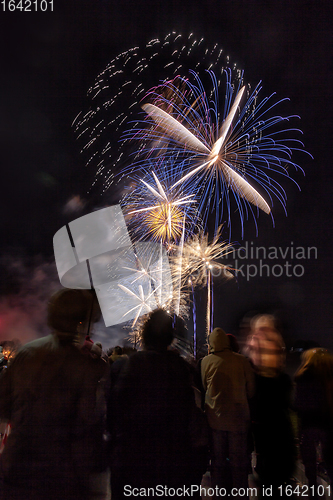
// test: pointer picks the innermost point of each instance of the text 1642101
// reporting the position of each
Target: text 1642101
(27, 5)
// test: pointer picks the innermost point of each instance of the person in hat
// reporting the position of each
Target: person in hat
(228, 380)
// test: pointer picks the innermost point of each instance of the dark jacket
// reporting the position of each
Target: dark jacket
(152, 406)
(311, 401)
(272, 428)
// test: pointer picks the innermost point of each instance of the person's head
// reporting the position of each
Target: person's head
(117, 350)
(218, 340)
(265, 346)
(318, 361)
(158, 330)
(263, 322)
(71, 311)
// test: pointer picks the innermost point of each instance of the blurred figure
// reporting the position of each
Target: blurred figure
(104, 356)
(151, 412)
(272, 428)
(245, 329)
(264, 345)
(228, 380)
(314, 404)
(48, 395)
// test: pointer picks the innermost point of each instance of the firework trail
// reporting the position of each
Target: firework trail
(180, 255)
(194, 317)
(209, 304)
(199, 263)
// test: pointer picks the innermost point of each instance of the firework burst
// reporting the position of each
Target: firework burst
(144, 305)
(135, 331)
(99, 128)
(201, 258)
(221, 152)
(194, 143)
(155, 209)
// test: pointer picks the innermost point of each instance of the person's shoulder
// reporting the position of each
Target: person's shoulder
(206, 358)
(174, 357)
(134, 360)
(34, 346)
(241, 357)
(32, 351)
(147, 354)
(40, 342)
(242, 360)
(209, 360)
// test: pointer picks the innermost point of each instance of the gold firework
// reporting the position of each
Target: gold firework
(165, 222)
(201, 259)
(164, 219)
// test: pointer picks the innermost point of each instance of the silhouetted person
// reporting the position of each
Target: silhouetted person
(152, 410)
(314, 404)
(48, 394)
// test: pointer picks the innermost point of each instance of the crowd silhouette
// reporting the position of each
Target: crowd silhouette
(73, 415)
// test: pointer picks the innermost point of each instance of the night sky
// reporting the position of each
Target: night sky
(48, 62)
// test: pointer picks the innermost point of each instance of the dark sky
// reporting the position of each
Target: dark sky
(48, 62)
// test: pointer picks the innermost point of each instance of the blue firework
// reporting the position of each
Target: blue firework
(229, 148)
(114, 99)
